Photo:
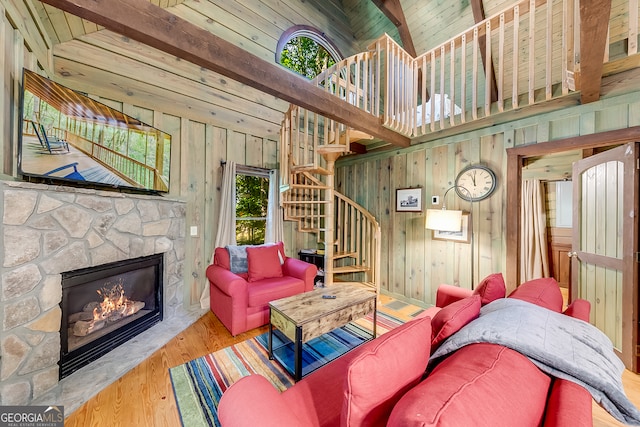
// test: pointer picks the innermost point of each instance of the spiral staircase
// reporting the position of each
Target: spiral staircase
(521, 56)
(350, 234)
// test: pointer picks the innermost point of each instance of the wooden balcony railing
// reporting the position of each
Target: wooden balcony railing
(526, 54)
(518, 57)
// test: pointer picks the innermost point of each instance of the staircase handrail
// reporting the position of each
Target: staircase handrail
(353, 80)
(361, 237)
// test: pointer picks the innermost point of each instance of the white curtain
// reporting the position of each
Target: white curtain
(226, 234)
(534, 258)
(274, 231)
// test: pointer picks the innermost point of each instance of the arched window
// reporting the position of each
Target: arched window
(306, 51)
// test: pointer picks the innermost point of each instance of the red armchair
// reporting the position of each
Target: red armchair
(241, 300)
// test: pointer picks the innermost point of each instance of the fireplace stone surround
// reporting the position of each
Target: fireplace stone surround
(47, 230)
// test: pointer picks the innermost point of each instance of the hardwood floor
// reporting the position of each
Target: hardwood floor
(144, 397)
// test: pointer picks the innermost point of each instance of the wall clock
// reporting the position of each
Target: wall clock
(479, 182)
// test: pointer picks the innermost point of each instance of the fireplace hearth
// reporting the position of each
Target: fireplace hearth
(107, 305)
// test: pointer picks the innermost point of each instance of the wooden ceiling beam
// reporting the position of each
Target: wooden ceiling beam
(147, 23)
(479, 16)
(393, 10)
(594, 25)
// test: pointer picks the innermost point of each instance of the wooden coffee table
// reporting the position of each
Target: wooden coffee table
(308, 315)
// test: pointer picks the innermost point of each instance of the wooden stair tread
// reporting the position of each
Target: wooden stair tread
(350, 269)
(308, 186)
(305, 216)
(311, 230)
(331, 148)
(369, 285)
(303, 202)
(358, 135)
(310, 169)
(354, 136)
(339, 255)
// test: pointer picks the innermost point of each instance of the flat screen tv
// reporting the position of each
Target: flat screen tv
(70, 138)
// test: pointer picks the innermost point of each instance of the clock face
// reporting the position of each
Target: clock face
(475, 183)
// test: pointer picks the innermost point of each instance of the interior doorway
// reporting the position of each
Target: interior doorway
(589, 145)
(551, 175)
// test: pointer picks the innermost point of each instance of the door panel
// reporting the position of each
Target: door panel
(604, 243)
(559, 248)
(603, 288)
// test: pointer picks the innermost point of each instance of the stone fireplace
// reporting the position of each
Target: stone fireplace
(49, 230)
(107, 305)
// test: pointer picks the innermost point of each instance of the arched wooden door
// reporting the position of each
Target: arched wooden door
(605, 246)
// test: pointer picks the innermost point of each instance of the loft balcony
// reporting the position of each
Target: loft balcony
(531, 54)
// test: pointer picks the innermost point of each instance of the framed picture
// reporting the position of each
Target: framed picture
(409, 199)
(462, 236)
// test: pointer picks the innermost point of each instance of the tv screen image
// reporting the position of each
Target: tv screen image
(69, 137)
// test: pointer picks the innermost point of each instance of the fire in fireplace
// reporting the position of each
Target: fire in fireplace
(105, 306)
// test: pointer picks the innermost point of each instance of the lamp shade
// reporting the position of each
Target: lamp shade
(444, 220)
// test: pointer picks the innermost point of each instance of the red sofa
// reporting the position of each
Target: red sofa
(381, 382)
(241, 300)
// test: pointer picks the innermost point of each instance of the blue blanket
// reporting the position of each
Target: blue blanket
(558, 344)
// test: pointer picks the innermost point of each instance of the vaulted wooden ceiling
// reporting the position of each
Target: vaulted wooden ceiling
(63, 26)
(92, 59)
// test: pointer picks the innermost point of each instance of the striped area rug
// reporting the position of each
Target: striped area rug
(318, 351)
(199, 384)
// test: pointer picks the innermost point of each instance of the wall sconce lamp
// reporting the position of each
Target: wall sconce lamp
(449, 220)
(443, 219)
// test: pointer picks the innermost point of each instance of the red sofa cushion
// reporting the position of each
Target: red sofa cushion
(544, 292)
(569, 405)
(264, 262)
(221, 258)
(579, 309)
(491, 288)
(381, 373)
(479, 385)
(451, 318)
(263, 398)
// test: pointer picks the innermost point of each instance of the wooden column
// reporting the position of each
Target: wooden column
(329, 222)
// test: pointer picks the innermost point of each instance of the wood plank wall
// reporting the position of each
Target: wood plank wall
(210, 118)
(413, 264)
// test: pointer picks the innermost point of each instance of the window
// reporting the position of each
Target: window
(252, 198)
(306, 51)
